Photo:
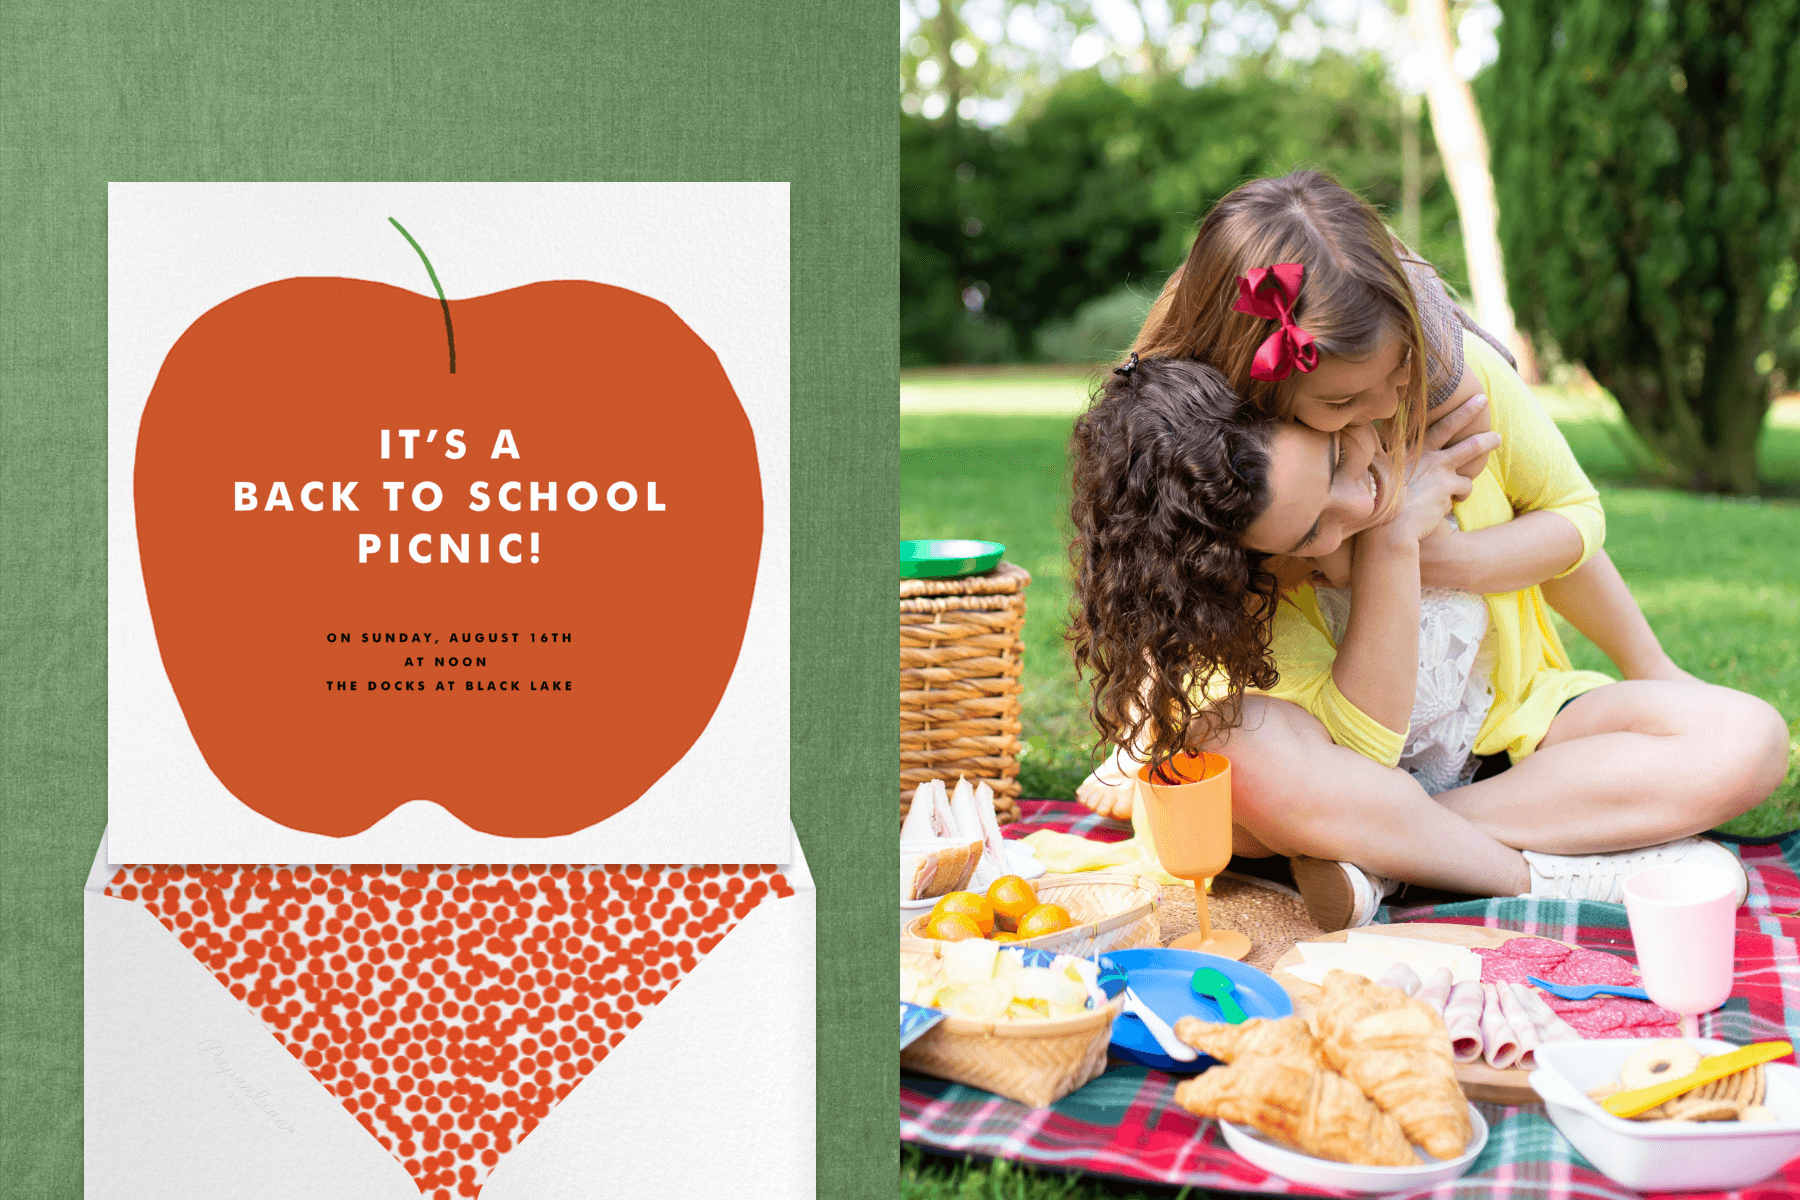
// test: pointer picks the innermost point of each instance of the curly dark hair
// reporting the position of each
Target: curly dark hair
(1169, 468)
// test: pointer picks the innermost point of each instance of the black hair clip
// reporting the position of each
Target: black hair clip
(1129, 367)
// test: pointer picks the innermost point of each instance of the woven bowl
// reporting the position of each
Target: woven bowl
(1033, 1062)
(1111, 912)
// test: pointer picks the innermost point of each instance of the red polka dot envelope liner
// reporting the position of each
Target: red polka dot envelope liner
(449, 1008)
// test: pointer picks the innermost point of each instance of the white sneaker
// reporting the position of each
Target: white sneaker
(1603, 876)
(1339, 895)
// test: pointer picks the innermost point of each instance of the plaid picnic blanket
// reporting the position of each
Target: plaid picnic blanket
(1126, 1125)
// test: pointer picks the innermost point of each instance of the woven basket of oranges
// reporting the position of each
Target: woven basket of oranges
(1101, 912)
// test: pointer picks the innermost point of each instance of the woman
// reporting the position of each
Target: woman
(1201, 526)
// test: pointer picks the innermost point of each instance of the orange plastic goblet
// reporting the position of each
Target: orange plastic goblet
(1189, 802)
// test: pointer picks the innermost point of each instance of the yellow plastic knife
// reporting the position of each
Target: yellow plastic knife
(1630, 1104)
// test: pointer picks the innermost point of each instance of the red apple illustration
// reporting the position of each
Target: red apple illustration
(496, 553)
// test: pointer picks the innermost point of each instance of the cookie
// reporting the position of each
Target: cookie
(1658, 1062)
(1688, 1109)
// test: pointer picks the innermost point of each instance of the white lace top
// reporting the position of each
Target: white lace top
(1454, 691)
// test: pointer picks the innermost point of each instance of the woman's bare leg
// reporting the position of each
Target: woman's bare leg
(1295, 792)
(1633, 764)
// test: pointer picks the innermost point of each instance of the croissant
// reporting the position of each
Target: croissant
(1260, 1037)
(1314, 1110)
(1397, 1051)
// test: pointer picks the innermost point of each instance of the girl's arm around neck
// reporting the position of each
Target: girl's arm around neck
(1530, 549)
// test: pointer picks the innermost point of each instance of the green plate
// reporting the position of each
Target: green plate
(948, 558)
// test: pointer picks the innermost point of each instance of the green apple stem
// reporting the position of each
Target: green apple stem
(449, 333)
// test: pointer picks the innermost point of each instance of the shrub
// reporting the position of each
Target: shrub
(1645, 162)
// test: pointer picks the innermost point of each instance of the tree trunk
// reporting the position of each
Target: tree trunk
(1463, 146)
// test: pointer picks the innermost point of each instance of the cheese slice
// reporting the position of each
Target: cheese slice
(1370, 955)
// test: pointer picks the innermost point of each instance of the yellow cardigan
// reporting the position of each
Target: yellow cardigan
(1532, 470)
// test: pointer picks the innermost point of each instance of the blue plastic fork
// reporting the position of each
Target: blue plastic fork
(1564, 991)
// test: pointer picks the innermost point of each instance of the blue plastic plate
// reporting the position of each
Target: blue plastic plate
(1163, 980)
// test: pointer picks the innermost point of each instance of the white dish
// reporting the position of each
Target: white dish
(1666, 1155)
(1022, 861)
(1292, 1165)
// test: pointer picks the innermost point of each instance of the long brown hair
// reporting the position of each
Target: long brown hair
(1172, 613)
(1354, 296)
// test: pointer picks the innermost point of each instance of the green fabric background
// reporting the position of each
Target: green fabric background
(551, 90)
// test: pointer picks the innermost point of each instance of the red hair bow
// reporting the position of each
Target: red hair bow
(1270, 293)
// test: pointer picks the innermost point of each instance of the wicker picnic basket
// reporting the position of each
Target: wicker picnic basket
(960, 658)
(1033, 1062)
(1111, 912)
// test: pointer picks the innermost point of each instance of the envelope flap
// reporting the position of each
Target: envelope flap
(186, 1094)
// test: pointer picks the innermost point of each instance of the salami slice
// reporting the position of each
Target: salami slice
(1601, 1017)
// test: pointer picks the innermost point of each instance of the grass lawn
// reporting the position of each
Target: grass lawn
(1718, 579)
(930, 1177)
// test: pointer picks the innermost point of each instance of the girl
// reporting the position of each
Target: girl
(1336, 340)
(1189, 509)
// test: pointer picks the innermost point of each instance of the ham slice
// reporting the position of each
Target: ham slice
(1400, 976)
(1499, 1045)
(942, 822)
(1523, 1028)
(1462, 1016)
(1549, 1026)
(1435, 991)
(931, 867)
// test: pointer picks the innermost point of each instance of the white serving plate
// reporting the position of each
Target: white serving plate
(1669, 1156)
(1292, 1165)
(1022, 861)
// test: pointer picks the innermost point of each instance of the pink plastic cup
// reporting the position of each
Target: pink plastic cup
(1682, 921)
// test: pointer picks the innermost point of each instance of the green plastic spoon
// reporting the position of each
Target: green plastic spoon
(1216, 986)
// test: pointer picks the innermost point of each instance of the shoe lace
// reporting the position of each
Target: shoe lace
(1609, 870)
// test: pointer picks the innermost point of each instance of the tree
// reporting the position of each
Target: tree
(1457, 125)
(1648, 169)
(1097, 187)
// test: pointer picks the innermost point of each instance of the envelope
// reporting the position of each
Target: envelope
(190, 1094)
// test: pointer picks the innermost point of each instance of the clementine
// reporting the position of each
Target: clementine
(952, 927)
(999, 936)
(970, 904)
(1045, 918)
(1012, 898)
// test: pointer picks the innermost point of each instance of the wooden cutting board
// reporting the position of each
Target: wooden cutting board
(1479, 1081)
